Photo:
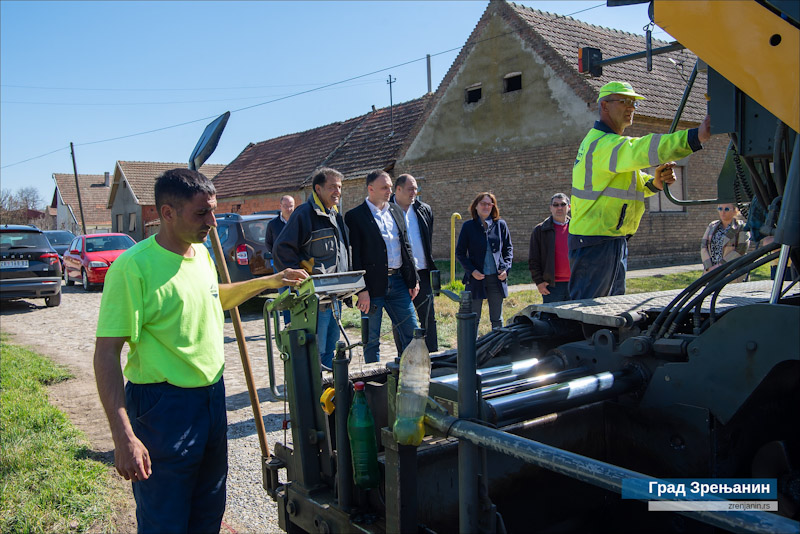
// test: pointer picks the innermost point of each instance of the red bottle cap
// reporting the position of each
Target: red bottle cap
(359, 386)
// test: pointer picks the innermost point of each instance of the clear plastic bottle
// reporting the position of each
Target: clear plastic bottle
(412, 392)
(363, 446)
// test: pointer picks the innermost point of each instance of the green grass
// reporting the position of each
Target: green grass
(519, 273)
(519, 300)
(48, 483)
(516, 302)
(679, 280)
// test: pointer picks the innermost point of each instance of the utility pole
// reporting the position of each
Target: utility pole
(390, 81)
(77, 187)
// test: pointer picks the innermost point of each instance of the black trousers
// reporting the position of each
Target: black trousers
(423, 304)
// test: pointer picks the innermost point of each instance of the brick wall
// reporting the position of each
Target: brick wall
(523, 182)
(353, 193)
(256, 203)
(149, 213)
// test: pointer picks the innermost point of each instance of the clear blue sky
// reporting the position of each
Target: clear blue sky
(85, 72)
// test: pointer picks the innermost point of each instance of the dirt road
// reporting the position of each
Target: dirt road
(66, 335)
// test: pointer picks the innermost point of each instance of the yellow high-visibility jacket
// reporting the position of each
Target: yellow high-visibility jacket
(608, 185)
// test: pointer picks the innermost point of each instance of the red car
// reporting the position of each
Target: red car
(89, 256)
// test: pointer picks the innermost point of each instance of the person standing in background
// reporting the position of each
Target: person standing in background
(277, 224)
(316, 236)
(724, 240)
(380, 248)
(548, 256)
(274, 229)
(485, 252)
(419, 221)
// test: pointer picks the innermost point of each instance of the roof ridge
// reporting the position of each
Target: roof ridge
(329, 157)
(79, 174)
(584, 23)
(357, 117)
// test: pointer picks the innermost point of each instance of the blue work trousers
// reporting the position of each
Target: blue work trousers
(328, 331)
(185, 432)
(397, 302)
(598, 270)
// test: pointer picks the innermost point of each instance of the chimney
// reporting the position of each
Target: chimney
(373, 108)
(107, 181)
(430, 89)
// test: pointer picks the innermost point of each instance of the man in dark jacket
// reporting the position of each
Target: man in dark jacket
(419, 223)
(274, 229)
(316, 238)
(548, 257)
(380, 247)
(278, 223)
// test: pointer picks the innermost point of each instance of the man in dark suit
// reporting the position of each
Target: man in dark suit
(380, 247)
(419, 223)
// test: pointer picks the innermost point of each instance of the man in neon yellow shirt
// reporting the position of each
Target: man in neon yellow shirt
(169, 423)
(609, 188)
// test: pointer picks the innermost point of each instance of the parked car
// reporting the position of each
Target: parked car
(89, 257)
(60, 240)
(29, 266)
(242, 239)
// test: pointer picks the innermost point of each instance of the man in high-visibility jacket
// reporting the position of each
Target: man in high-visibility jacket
(609, 188)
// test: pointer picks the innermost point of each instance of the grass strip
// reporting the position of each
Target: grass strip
(48, 482)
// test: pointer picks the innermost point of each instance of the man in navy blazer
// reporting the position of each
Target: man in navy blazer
(380, 245)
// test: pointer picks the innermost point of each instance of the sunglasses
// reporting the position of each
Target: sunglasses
(630, 102)
(559, 204)
(724, 209)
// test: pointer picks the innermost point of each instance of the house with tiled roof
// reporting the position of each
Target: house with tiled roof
(512, 110)
(264, 172)
(131, 199)
(94, 197)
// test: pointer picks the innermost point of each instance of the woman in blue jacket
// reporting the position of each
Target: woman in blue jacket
(485, 252)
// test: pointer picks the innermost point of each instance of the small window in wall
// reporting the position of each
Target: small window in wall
(659, 202)
(512, 82)
(119, 227)
(131, 222)
(473, 93)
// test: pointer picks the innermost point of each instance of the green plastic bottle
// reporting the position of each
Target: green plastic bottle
(363, 447)
(412, 392)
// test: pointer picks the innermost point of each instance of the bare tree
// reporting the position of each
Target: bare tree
(14, 206)
(29, 198)
(6, 200)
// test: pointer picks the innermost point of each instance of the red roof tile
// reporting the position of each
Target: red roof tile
(354, 147)
(94, 197)
(663, 87)
(141, 176)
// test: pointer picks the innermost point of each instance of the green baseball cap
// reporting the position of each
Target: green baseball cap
(618, 88)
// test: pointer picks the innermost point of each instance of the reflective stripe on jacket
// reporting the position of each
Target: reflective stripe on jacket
(608, 186)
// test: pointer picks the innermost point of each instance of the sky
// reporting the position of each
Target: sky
(139, 81)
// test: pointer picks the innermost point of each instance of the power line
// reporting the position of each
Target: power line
(155, 90)
(326, 86)
(35, 157)
(171, 102)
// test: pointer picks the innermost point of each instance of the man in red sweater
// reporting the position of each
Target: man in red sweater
(548, 256)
